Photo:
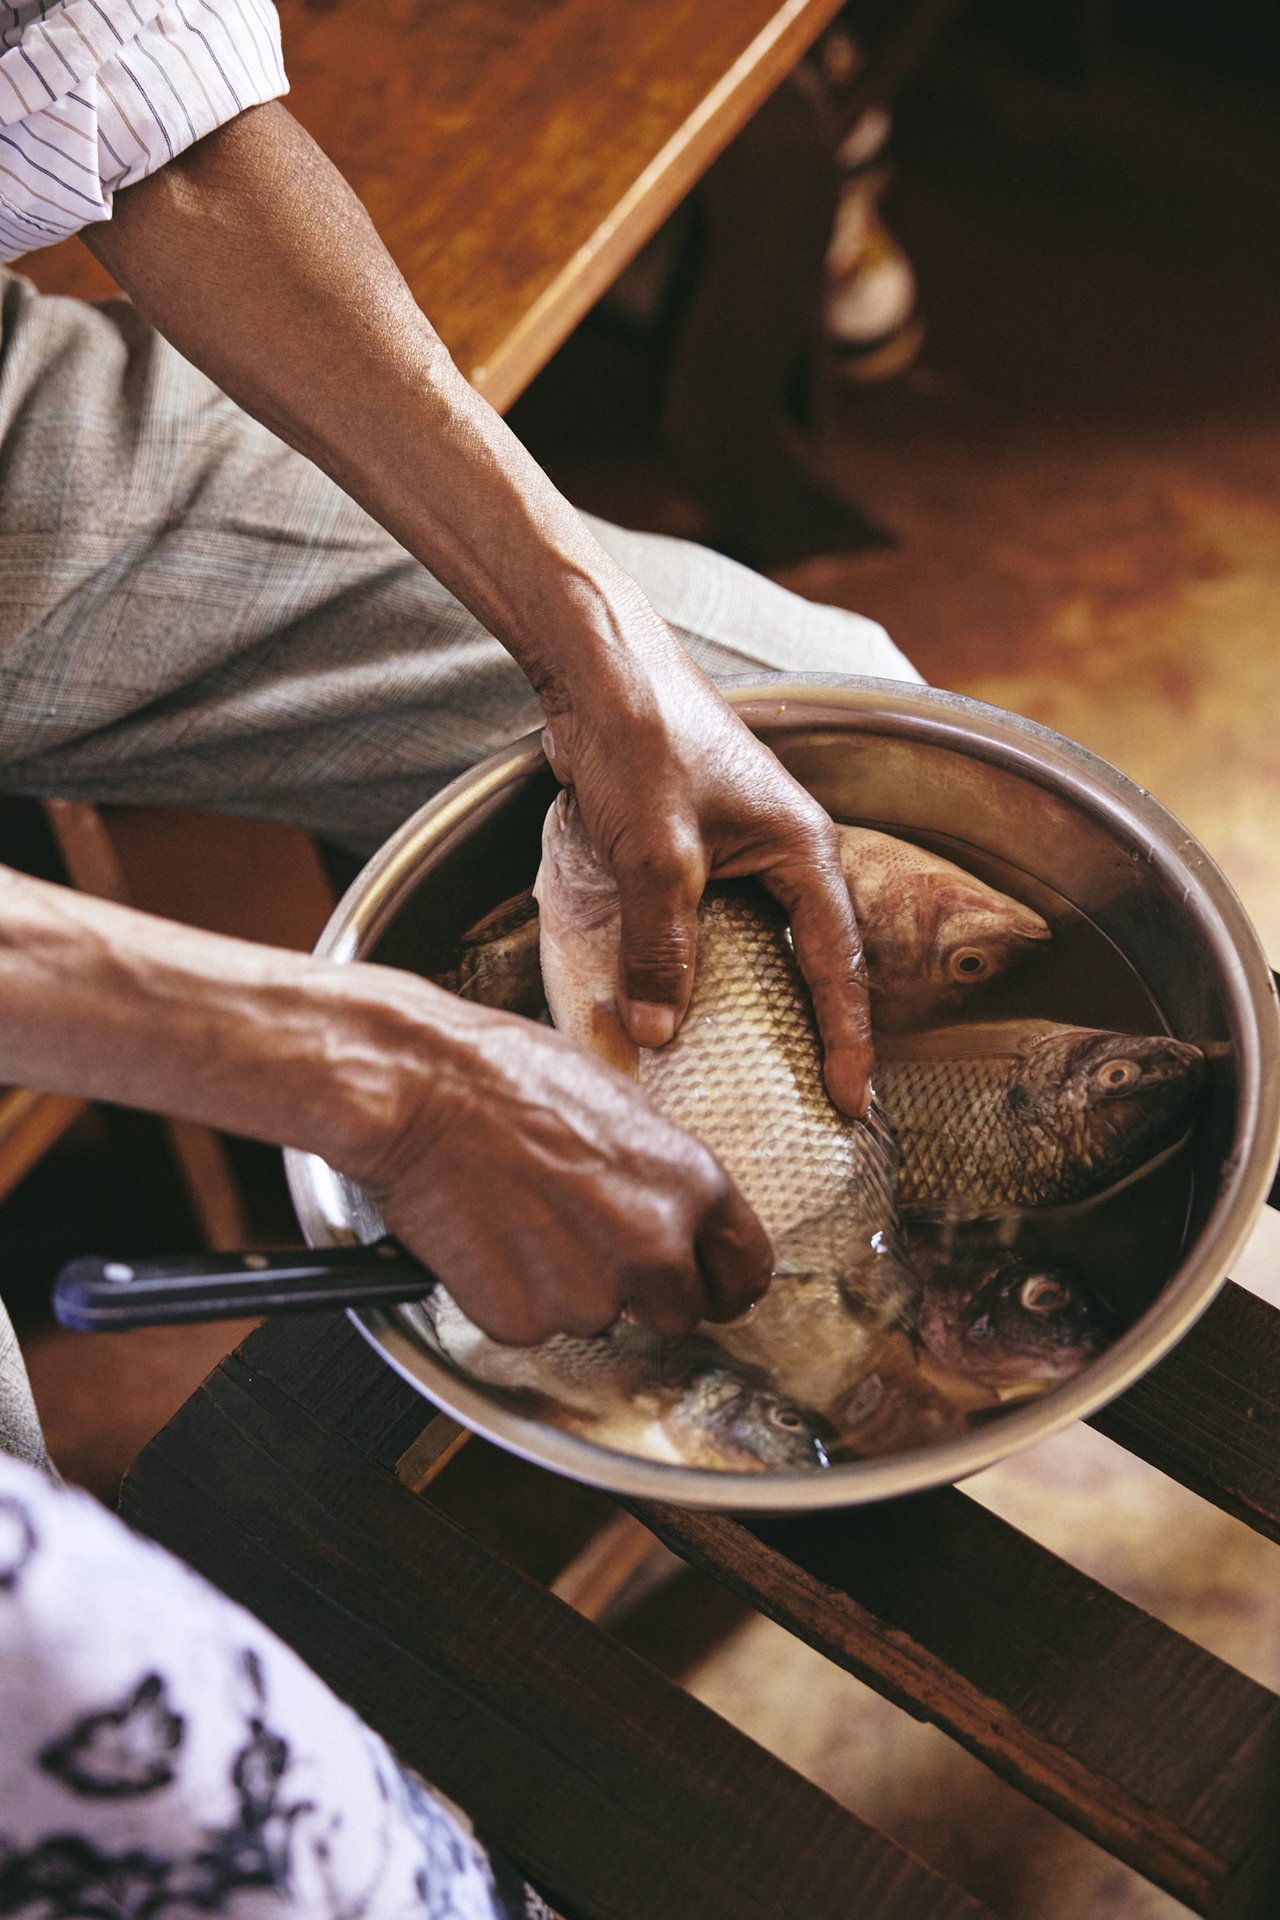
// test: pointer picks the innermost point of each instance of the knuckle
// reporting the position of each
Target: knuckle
(671, 859)
(667, 1316)
(589, 1314)
(518, 1324)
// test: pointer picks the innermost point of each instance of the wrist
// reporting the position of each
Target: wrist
(398, 1052)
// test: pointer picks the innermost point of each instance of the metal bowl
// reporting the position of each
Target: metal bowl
(1015, 801)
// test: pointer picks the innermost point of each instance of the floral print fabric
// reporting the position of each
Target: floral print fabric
(163, 1754)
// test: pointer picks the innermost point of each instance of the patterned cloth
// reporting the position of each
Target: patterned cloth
(164, 1755)
(95, 94)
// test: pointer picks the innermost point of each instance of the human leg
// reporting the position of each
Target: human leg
(164, 1751)
(191, 613)
(20, 1434)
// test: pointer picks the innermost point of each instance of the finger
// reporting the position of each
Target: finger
(664, 1301)
(829, 951)
(660, 898)
(735, 1257)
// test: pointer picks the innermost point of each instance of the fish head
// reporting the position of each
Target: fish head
(948, 938)
(1112, 1101)
(1007, 1320)
(896, 1408)
(727, 1415)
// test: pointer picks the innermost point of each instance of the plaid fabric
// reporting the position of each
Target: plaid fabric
(20, 1435)
(190, 612)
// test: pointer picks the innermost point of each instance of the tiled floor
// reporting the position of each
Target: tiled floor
(1083, 478)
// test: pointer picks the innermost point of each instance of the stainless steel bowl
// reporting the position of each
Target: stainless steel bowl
(1006, 794)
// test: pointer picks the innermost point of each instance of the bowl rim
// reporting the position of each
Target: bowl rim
(1047, 759)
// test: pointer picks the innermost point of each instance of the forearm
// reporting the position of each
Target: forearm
(425, 1099)
(251, 254)
(108, 1003)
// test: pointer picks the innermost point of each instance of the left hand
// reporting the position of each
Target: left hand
(675, 791)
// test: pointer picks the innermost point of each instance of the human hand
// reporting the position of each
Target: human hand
(675, 790)
(539, 1184)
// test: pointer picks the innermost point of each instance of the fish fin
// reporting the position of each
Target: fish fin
(976, 1040)
(508, 917)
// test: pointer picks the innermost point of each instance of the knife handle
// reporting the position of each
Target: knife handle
(96, 1295)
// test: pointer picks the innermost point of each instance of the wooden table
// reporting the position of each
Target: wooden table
(302, 1478)
(515, 154)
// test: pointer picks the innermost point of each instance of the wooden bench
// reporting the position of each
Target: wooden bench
(304, 1479)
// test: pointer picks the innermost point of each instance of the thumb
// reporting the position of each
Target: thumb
(659, 946)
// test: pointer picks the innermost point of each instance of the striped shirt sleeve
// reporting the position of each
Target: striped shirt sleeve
(95, 94)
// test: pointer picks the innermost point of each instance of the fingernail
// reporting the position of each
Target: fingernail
(848, 1083)
(649, 1024)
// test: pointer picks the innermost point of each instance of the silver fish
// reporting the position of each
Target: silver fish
(1004, 1116)
(933, 935)
(1006, 1319)
(498, 959)
(743, 1074)
(683, 1401)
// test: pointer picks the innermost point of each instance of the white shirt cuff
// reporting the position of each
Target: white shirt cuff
(100, 93)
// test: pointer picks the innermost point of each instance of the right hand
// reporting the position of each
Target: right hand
(545, 1191)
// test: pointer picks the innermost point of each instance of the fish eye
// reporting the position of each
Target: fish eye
(1114, 1075)
(1040, 1294)
(786, 1418)
(968, 963)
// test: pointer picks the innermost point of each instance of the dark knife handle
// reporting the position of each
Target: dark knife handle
(99, 1295)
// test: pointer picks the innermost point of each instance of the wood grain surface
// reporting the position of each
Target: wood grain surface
(613, 1790)
(1209, 1414)
(515, 154)
(1165, 1755)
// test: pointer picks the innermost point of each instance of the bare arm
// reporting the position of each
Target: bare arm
(251, 254)
(430, 1101)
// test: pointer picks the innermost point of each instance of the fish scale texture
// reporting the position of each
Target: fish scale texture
(745, 1075)
(970, 1146)
(961, 1142)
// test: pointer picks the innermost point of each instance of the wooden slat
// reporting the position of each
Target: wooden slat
(1209, 1414)
(426, 1458)
(323, 1363)
(31, 1123)
(623, 1555)
(610, 1788)
(1164, 1754)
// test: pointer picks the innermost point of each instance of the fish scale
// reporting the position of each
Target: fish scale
(1003, 1119)
(822, 1185)
(958, 1136)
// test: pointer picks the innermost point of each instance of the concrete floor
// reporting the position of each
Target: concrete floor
(1082, 475)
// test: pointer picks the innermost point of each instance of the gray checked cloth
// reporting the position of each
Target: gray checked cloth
(191, 613)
